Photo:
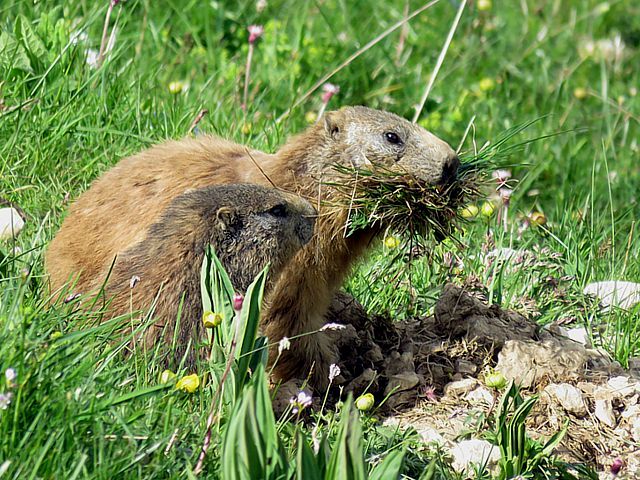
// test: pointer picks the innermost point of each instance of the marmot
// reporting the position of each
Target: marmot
(249, 226)
(119, 207)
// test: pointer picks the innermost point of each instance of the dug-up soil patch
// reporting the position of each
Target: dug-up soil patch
(431, 373)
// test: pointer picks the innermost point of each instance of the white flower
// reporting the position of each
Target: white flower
(283, 344)
(501, 175)
(10, 374)
(261, 5)
(255, 32)
(5, 400)
(329, 90)
(334, 371)
(134, 281)
(333, 326)
(505, 194)
(77, 37)
(92, 57)
(301, 401)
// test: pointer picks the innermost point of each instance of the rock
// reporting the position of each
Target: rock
(466, 367)
(367, 380)
(474, 452)
(431, 435)
(460, 387)
(615, 293)
(604, 412)
(556, 359)
(401, 382)
(623, 386)
(374, 355)
(577, 334)
(399, 362)
(568, 396)
(283, 395)
(11, 222)
(480, 396)
(635, 430)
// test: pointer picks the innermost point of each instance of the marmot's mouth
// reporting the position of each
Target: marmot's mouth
(401, 203)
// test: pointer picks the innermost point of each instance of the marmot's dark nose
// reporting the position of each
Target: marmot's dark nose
(450, 170)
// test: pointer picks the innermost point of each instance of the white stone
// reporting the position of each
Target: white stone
(507, 255)
(10, 223)
(604, 412)
(460, 387)
(469, 452)
(431, 435)
(480, 396)
(569, 397)
(622, 386)
(578, 334)
(631, 413)
(615, 293)
(635, 430)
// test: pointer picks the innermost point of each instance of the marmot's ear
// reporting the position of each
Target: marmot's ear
(333, 123)
(226, 217)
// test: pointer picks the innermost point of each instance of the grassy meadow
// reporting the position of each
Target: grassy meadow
(556, 80)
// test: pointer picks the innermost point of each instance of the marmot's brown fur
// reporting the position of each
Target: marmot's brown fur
(249, 226)
(117, 210)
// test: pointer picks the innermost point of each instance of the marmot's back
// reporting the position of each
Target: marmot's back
(118, 208)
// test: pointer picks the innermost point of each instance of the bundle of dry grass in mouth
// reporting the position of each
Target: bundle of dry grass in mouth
(402, 203)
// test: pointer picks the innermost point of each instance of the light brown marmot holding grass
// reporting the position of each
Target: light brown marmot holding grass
(117, 210)
(248, 226)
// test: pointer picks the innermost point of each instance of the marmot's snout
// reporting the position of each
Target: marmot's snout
(306, 215)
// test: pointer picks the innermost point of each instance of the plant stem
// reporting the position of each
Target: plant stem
(247, 75)
(105, 28)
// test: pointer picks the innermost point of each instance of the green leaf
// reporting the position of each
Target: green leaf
(217, 295)
(390, 466)
(307, 467)
(251, 447)
(347, 458)
(249, 322)
(13, 55)
(30, 41)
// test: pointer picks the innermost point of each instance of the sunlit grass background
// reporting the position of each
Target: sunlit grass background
(571, 66)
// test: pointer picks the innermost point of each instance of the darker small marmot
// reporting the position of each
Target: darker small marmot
(249, 226)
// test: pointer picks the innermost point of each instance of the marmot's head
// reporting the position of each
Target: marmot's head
(362, 137)
(251, 226)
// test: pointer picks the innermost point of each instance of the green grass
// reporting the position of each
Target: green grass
(79, 410)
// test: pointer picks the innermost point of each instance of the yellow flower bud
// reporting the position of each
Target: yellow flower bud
(537, 219)
(176, 87)
(211, 319)
(484, 5)
(469, 211)
(486, 84)
(580, 93)
(311, 116)
(391, 242)
(188, 384)
(365, 402)
(495, 379)
(246, 128)
(487, 209)
(166, 376)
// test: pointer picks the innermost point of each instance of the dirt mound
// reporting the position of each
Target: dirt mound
(430, 372)
(416, 358)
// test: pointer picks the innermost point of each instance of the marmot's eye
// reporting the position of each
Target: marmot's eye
(278, 211)
(393, 137)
